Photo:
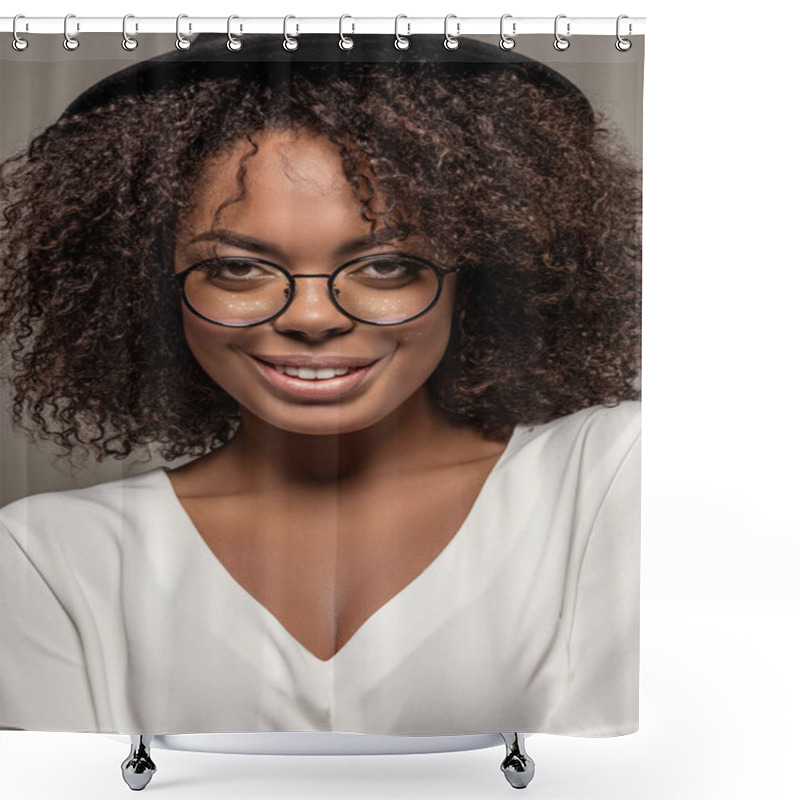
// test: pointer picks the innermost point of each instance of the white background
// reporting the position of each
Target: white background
(721, 537)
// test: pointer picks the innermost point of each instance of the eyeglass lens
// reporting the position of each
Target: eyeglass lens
(383, 290)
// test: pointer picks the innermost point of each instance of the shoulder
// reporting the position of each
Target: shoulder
(56, 522)
(598, 431)
(619, 420)
(579, 456)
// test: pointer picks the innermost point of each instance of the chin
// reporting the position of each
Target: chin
(318, 421)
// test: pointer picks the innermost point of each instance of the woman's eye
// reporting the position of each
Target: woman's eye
(233, 270)
(388, 269)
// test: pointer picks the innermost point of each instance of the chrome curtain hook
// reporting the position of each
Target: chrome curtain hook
(450, 41)
(128, 42)
(18, 43)
(560, 42)
(234, 44)
(345, 42)
(623, 44)
(401, 42)
(289, 43)
(181, 42)
(70, 42)
(506, 41)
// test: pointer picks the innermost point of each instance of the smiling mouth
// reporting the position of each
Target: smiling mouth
(313, 373)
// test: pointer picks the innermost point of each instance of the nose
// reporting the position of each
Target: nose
(311, 313)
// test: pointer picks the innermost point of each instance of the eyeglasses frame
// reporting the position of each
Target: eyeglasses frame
(441, 274)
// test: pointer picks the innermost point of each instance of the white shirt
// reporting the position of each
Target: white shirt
(118, 618)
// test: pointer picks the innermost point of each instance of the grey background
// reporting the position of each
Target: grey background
(38, 83)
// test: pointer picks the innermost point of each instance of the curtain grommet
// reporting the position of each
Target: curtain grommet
(18, 43)
(560, 43)
(622, 44)
(289, 42)
(401, 42)
(346, 42)
(128, 42)
(181, 42)
(233, 44)
(451, 42)
(70, 42)
(507, 40)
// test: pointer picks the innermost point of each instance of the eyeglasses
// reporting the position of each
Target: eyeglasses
(384, 289)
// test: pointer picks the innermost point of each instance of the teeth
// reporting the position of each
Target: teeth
(310, 373)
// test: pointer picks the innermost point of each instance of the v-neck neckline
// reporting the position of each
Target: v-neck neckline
(456, 542)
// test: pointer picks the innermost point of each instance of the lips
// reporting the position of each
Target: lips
(315, 362)
(309, 379)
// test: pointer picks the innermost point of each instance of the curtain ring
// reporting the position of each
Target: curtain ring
(70, 42)
(128, 42)
(451, 42)
(181, 42)
(560, 42)
(401, 42)
(345, 42)
(289, 43)
(18, 44)
(234, 44)
(506, 41)
(623, 44)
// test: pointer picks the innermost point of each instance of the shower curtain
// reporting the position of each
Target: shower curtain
(320, 385)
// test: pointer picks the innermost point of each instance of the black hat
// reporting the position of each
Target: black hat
(263, 58)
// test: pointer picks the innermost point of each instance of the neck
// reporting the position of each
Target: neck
(261, 454)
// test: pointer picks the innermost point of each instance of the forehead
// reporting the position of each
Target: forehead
(283, 162)
(281, 181)
(286, 192)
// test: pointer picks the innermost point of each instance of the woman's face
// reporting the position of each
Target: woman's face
(300, 212)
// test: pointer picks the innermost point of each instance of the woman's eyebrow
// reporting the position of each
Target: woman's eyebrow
(265, 248)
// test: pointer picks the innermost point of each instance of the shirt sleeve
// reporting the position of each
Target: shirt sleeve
(43, 679)
(603, 651)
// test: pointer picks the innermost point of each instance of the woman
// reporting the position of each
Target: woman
(390, 307)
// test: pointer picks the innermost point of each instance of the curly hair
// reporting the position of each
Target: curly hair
(520, 186)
